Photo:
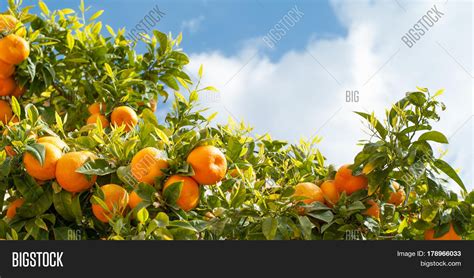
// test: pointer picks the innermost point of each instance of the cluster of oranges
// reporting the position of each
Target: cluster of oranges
(14, 49)
(122, 115)
(209, 165)
(57, 164)
(208, 162)
(329, 193)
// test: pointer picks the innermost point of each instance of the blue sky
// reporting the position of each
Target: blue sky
(223, 25)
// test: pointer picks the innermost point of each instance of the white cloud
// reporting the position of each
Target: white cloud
(193, 24)
(303, 92)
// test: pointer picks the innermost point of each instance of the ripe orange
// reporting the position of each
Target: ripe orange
(18, 91)
(11, 211)
(116, 199)
(67, 176)
(7, 86)
(450, 235)
(14, 49)
(124, 115)
(53, 140)
(97, 108)
(47, 171)
(346, 182)
(146, 165)
(6, 70)
(189, 197)
(93, 120)
(6, 112)
(134, 200)
(398, 197)
(310, 191)
(373, 210)
(9, 23)
(330, 193)
(209, 164)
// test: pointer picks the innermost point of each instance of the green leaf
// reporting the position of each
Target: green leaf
(108, 70)
(182, 224)
(172, 192)
(111, 30)
(42, 204)
(450, 172)
(38, 151)
(163, 41)
(67, 205)
(373, 121)
(43, 8)
(162, 219)
(41, 224)
(358, 205)
(428, 212)
(200, 71)
(28, 187)
(97, 167)
(435, 136)
(70, 40)
(143, 215)
(179, 57)
(59, 121)
(325, 216)
(269, 228)
(170, 81)
(16, 107)
(96, 15)
(306, 227)
(442, 230)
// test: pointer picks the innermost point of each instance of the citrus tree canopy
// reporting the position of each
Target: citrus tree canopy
(83, 155)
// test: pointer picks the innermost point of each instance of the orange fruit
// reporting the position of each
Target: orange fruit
(93, 120)
(450, 235)
(330, 193)
(398, 197)
(67, 176)
(6, 70)
(47, 171)
(189, 196)
(346, 182)
(11, 211)
(134, 200)
(53, 140)
(116, 199)
(96, 108)
(9, 23)
(146, 165)
(209, 164)
(6, 112)
(14, 49)
(18, 91)
(373, 210)
(310, 191)
(7, 86)
(124, 115)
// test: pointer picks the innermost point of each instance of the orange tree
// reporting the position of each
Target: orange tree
(83, 156)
